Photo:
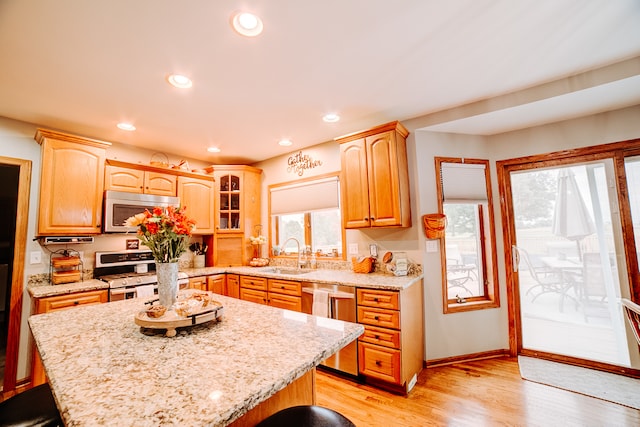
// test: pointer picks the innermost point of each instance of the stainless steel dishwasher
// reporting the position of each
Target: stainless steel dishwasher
(341, 305)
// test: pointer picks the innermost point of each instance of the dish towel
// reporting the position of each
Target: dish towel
(320, 305)
(144, 291)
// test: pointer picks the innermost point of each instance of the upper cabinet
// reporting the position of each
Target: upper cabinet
(237, 213)
(197, 196)
(237, 197)
(120, 178)
(71, 184)
(374, 182)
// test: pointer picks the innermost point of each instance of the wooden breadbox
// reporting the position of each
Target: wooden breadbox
(66, 267)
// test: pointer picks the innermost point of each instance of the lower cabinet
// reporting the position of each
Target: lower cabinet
(391, 349)
(198, 282)
(224, 284)
(56, 303)
(285, 294)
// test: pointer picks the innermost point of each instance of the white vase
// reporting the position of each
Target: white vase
(167, 273)
(198, 261)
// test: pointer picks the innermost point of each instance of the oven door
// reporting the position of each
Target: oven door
(129, 292)
(119, 294)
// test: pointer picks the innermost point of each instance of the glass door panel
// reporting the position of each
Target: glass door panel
(567, 226)
(632, 170)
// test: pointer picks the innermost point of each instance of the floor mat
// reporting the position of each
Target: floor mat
(602, 385)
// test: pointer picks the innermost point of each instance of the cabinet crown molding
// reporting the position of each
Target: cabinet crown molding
(42, 134)
(396, 125)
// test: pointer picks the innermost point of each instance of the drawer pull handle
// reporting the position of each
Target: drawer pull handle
(378, 363)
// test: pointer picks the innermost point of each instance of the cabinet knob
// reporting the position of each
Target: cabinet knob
(366, 219)
(76, 302)
(375, 299)
(373, 219)
(377, 337)
(376, 317)
(378, 363)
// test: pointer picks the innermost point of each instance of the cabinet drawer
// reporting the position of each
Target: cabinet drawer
(258, 283)
(61, 302)
(252, 295)
(378, 299)
(287, 302)
(381, 336)
(285, 287)
(379, 317)
(379, 362)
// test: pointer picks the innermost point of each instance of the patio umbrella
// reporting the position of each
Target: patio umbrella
(571, 219)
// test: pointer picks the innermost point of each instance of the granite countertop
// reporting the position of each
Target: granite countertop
(104, 371)
(343, 277)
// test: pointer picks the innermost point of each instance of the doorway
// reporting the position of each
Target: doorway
(15, 175)
(569, 229)
(9, 176)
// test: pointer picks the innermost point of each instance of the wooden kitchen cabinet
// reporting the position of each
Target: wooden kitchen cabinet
(56, 303)
(119, 178)
(236, 213)
(223, 284)
(279, 293)
(71, 184)
(197, 195)
(374, 182)
(199, 282)
(391, 349)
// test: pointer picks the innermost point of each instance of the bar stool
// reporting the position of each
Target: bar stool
(34, 407)
(306, 416)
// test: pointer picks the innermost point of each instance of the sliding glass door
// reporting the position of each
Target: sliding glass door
(566, 260)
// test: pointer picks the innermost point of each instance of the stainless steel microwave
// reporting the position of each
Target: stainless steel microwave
(119, 205)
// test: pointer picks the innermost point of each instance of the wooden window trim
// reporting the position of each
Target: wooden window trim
(491, 298)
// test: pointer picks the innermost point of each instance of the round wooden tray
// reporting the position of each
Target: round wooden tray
(171, 320)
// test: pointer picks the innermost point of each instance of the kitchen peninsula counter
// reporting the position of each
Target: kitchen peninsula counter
(104, 371)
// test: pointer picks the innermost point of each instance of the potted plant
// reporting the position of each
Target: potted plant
(198, 249)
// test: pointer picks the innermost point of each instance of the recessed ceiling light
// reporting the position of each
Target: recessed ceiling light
(126, 126)
(213, 149)
(331, 118)
(285, 142)
(180, 81)
(246, 24)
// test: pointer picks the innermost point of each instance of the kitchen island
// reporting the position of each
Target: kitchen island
(104, 371)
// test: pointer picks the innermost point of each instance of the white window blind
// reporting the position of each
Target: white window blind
(306, 196)
(463, 183)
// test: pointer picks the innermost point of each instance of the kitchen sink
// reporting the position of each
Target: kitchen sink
(293, 271)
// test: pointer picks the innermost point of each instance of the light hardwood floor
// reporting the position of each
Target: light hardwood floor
(481, 393)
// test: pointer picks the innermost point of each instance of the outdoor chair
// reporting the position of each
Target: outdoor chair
(546, 280)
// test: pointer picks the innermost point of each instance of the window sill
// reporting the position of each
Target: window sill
(454, 307)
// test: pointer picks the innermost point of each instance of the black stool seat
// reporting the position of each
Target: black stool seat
(34, 408)
(306, 416)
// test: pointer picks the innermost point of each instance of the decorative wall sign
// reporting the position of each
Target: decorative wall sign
(298, 163)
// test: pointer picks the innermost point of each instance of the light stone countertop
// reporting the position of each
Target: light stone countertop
(104, 371)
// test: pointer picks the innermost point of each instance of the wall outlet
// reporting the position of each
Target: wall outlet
(431, 246)
(35, 257)
(353, 249)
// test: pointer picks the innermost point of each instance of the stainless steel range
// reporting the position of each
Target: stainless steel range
(130, 273)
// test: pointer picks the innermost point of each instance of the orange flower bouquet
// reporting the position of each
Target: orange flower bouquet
(166, 231)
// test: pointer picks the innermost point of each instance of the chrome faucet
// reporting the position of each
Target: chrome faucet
(299, 253)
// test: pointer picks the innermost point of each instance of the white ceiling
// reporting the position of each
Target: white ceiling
(82, 66)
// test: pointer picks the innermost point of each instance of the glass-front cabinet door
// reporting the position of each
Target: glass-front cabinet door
(230, 202)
